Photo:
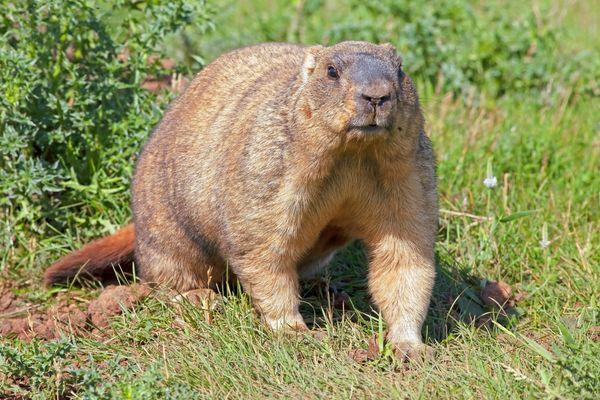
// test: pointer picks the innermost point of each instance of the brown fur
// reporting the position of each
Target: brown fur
(96, 259)
(267, 165)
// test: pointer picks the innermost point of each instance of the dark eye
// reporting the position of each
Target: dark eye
(332, 72)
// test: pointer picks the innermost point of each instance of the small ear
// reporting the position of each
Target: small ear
(391, 50)
(310, 61)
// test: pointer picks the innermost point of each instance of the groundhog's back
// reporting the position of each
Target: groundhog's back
(245, 77)
(236, 92)
(195, 148)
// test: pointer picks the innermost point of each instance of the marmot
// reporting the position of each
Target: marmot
(273, 159)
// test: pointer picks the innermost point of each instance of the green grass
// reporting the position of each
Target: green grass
(544, 151)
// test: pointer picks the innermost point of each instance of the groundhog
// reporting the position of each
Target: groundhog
(273, 159)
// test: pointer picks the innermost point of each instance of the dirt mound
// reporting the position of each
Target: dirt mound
(497, 294)
(69, 314)
(113, 300)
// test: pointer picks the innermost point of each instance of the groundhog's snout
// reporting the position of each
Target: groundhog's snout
(374, 97)
(374, 104)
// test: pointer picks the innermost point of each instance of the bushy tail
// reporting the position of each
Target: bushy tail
(97, 260)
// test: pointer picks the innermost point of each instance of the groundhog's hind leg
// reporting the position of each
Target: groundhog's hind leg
(313, 268)
(331, 240)
(177, 262)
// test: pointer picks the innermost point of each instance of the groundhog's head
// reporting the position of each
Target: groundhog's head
(359, 89)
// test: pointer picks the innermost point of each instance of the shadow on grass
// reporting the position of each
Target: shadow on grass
(342, 293)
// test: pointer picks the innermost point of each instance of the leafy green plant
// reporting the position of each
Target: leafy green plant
(73, 112)
(33, 365)
(47, 370)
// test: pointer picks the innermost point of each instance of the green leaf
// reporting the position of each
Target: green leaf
(566, 333)
(538, 348)
(517, 215)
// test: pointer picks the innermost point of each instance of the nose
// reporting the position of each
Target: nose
(375, 101)
(375, 93)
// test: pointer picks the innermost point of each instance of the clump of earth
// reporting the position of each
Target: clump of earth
(27, 320)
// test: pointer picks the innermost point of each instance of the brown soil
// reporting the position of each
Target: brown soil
(68, 314)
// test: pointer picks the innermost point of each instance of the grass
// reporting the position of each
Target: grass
(545, 153)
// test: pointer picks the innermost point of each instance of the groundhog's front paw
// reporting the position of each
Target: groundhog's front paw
(413, 351)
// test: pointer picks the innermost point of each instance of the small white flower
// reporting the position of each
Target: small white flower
(544, 243)
(490, 181)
